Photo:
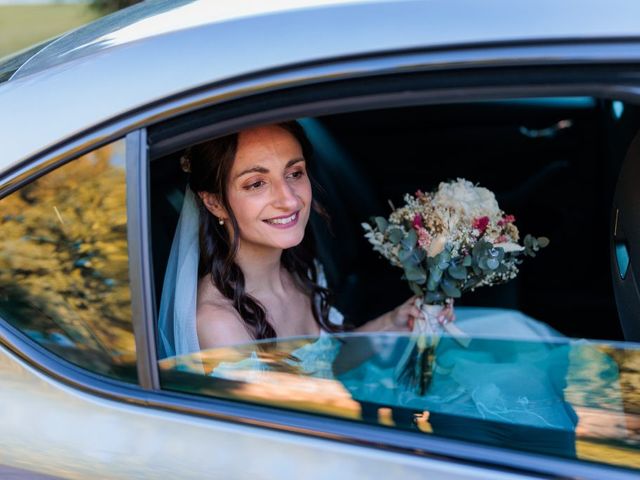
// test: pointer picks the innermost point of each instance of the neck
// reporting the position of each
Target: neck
(262, 270)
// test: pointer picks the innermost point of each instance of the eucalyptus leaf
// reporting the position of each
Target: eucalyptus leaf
(411, 239)
(395, 235)
(529, 241)
(404, 255)
(450, 288)
(435, 275)
(467, 261)
(543, 242)
(482, 263)
(381, 223)
(493, 263)
(442, 260)
(458, 272)
(416, 274)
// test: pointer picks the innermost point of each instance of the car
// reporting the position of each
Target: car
(539, 103)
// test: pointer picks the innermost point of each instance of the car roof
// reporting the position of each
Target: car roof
(156, 49)
(149, 19)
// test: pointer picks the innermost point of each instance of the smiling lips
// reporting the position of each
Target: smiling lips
(285, 221)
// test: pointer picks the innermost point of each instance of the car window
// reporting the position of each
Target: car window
(544, 367)
(64, 278)
(563, 398)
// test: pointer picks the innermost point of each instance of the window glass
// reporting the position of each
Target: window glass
(64, 278)
(558, 397)
(526, 372)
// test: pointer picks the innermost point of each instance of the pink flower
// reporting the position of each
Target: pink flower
(502, 239)
(419, 194)
(417, 221)
(424, 238)
(506, 219)
(481, 224)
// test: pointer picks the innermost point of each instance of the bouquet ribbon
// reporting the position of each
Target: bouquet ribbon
(435, 318)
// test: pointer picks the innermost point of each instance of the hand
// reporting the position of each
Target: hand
(446, 315)
(404, 316)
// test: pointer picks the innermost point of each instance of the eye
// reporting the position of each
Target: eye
(296, 175)
(254, 185)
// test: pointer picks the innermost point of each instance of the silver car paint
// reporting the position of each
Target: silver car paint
(115, 440)
(50, 428)
(116, 74)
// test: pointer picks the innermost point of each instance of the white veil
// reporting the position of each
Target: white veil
(177, 320)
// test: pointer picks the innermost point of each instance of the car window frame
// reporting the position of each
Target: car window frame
(135, 126)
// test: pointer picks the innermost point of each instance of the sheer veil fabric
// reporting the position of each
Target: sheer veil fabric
(177, 320)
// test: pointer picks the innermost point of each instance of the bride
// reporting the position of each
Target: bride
(241, 266)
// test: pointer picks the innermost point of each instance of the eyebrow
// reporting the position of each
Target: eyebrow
(259, 169)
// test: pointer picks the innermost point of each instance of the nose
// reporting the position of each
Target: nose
(285, 197)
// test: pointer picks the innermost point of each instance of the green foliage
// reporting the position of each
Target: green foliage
(448, 273)
(381, 224)
(395, 235)
(533, 244)
(22, 26)
(64, 257)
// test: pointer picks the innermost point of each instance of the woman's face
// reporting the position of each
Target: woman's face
(268, 189)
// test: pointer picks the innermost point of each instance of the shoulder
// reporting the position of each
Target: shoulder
(218, 323)
(219, 326)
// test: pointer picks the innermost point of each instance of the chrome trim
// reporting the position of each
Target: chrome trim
(140, 275)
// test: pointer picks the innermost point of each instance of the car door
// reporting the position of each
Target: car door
(76, 411)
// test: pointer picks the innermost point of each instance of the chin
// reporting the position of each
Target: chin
(291, 241)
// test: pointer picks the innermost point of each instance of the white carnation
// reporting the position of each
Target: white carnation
(464, 196)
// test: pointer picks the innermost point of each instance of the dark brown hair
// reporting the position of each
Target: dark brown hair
(210, 165)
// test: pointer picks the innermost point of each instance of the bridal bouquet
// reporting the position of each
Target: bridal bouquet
(447, 242)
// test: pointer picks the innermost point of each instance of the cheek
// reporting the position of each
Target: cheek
(303, 191)
(246, 208)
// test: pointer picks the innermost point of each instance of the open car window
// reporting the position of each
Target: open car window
(545, 368)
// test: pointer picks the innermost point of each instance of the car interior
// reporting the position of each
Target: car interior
(552, 162)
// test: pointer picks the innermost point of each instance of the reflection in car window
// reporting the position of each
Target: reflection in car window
(556, 396)
(64, 278)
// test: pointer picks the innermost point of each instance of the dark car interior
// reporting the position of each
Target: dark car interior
(552, 162)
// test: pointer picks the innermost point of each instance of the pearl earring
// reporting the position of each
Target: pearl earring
(221, 221)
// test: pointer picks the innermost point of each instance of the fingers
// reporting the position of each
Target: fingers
(415, 300)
